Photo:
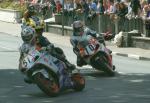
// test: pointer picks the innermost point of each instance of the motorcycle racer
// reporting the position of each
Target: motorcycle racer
(80, 31)
(28, 13)
(40, 41)
(29, 37)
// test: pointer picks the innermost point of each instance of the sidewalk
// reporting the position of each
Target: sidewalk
(136, 53)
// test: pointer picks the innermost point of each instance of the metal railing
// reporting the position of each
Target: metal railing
(101, 23)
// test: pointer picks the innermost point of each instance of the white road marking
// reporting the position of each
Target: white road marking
(7, 47)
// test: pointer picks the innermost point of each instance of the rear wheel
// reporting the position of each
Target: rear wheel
(79, 82)
(50, 87)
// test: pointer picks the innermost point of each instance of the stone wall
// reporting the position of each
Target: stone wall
(141, 42)
(8, 15)
(57, 29)
(130, 39)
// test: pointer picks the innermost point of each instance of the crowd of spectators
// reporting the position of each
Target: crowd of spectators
(113, 8)
(87, 10)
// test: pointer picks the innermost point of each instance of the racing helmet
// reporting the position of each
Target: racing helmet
(31, 9)
(27, 34)
(37, 23)
(78, 28)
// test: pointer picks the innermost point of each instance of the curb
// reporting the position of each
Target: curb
(131, 56)
(138, 57)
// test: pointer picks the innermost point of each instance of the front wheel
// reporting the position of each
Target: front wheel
(50, 87)
(103, 64)
(79, 82)
(107, 69)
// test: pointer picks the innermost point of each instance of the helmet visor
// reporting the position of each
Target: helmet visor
(39, 31)
(79, 30)
(27, 38)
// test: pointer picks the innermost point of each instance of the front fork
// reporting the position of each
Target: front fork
(110, 60)
(109, 56)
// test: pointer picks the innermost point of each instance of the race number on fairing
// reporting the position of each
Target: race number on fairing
(27, 60)
(90, 49)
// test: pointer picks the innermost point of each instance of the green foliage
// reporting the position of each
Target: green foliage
(13, 4)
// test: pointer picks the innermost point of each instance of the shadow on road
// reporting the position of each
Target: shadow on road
(14, 89)
(123, 88)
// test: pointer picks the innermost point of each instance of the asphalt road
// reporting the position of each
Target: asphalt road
(130, 85)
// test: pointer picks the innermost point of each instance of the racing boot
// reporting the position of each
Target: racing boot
(70, 66)
(62, 57)
(114, 67)
(80, 62)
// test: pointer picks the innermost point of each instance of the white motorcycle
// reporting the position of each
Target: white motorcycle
(96, 54)
(49, 73)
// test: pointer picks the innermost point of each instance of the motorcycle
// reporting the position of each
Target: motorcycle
(49, 73)
(96, 54)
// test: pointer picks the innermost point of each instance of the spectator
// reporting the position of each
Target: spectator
(122, 10)
(112, 8)
(105, 4)
(136, 7)
(85, 9)
(143, 3)
(68, 7)
(34, 1)
(129, 15)
(95, 1)
(58, 6)
(78, 10)
(92, 5)
(118, 1)
(53, 6)
(93, 9)
(77, 5)
(146, 10)
(44, 10)
(100, 7)
(147, 17)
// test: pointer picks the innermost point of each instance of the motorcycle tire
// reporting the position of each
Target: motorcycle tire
(50, 87)
(108, 70)
(79, 82)
(103, 64)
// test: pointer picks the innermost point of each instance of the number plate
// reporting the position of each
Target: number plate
(27, 60)
(90, 49)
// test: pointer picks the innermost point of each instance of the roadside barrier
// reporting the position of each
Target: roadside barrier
(103, 23)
